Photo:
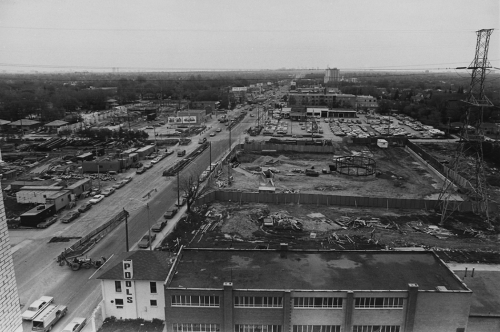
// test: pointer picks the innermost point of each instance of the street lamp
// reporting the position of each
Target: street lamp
(149, 223)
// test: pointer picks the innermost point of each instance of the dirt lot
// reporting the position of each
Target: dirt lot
(398, 174)
(463, 238)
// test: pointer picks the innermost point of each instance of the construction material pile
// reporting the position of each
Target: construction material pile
(282, 220)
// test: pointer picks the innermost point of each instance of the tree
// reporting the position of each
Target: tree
(189, 186)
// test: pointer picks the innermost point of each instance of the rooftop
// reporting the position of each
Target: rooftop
(325, 270)
(56, 123)
(147, 265)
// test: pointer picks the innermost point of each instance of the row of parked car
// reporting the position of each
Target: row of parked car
(156, 159)
(44, 314)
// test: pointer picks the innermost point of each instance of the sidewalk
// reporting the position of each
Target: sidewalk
(476, 266)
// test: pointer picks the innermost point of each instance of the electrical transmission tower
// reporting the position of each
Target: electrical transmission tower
(466, 171)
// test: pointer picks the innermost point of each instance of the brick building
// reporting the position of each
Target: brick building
(328, 291)
(10, 312)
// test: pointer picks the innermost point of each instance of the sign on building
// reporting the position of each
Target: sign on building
(238, 89)
(128, 269)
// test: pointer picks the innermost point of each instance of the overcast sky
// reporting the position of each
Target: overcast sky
(252, 34)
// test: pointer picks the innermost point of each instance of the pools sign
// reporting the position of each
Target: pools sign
(128, 274)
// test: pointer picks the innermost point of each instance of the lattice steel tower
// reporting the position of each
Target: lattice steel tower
(467, 170)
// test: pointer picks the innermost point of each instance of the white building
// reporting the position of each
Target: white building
(366, 102)
(10, 312)
(331, 75)
(132, 285)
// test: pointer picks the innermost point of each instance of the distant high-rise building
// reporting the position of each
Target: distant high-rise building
(10, 311)
(332, 75)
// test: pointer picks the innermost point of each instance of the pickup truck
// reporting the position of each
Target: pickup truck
(45, 320)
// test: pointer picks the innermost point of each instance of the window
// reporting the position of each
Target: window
(195, 327)
(316, 328)
(152, 287)
(195, 301)
(153, 303)
(375, 328)
(258, 301)
(119, 303)
(378, 302)
(118, 286)
(257, 328)
(318, 302)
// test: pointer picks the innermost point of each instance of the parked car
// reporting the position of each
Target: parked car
(85, 207)
(148, 166)
(95, 192)
(212, 134)
(36, 307)
(70, 217)
(47, 222)
(108, 192)
(156, 160)
(170, 213)
(202, 140)
(96, 199)
(128, 179)
(146, 241)
(218, 130)
(141, 170)
(159, 226)
(76, 325)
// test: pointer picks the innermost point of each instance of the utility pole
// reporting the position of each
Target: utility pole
(178, 188)
(126, 227)
(210, 151)
(149, 230)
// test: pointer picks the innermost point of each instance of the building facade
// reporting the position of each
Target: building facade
(132, 285)
(366, 102)
(10, 311)
(301, 291)
(322, 99)
(331, 75)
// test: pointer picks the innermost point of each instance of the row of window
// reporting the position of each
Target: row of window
(186, 327)
(298, 302)
(258, 301)
(152, 287)
(195, 300)
(119, 303)
(316, 328)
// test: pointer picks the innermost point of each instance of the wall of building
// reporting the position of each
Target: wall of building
(205, 315)
(10, 313)
(136, 300)
(442, 311)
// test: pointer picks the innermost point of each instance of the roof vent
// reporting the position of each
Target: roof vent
(441, 288)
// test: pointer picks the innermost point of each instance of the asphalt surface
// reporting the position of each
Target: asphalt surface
(37, 272)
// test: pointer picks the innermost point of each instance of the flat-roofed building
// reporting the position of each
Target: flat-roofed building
(366, 102)
(288, 290)
(322, 99)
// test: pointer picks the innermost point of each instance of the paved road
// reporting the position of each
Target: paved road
(37, 272)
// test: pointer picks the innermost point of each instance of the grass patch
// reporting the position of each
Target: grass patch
(112, 324)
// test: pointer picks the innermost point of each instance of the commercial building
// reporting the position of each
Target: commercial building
(287, 290)
(188, 117)
(239, 94)
(25, 124)
(330, 113)
(132, 285)
(366, 102)
(331, 75)
(209, 106)
(327, 99)
(10, 311)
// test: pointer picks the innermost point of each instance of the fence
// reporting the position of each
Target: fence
(321, 199)
(258, 146)
(84, 244)
(442, 169)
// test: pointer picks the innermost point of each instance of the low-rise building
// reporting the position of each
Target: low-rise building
(132, 285)
(291, 290)
(365, 102)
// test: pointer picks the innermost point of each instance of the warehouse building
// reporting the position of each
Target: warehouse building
(287, 290)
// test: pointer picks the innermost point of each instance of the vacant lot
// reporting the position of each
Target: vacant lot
(463, 237)
(398, 175)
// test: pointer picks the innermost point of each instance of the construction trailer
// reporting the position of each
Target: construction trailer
(37, 215)
(45, 320)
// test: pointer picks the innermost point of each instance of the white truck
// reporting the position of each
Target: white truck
(45, 320)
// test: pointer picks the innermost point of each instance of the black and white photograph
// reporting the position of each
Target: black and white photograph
(249, 166)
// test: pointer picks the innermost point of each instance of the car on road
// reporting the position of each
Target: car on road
(170, 213)
(156, 160)
(70, 217)
(148, 166)
(36, 307)
(108, 192)
(96, 199)
(128, 179)
(204, 175)
(180, 202)
(146, 241)
(149, 127)
(159, 226)
(85, 207)
(141, 170)
(212, 134)
(218, 130)
(76, 325)
(118, 185)
(202, 140)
